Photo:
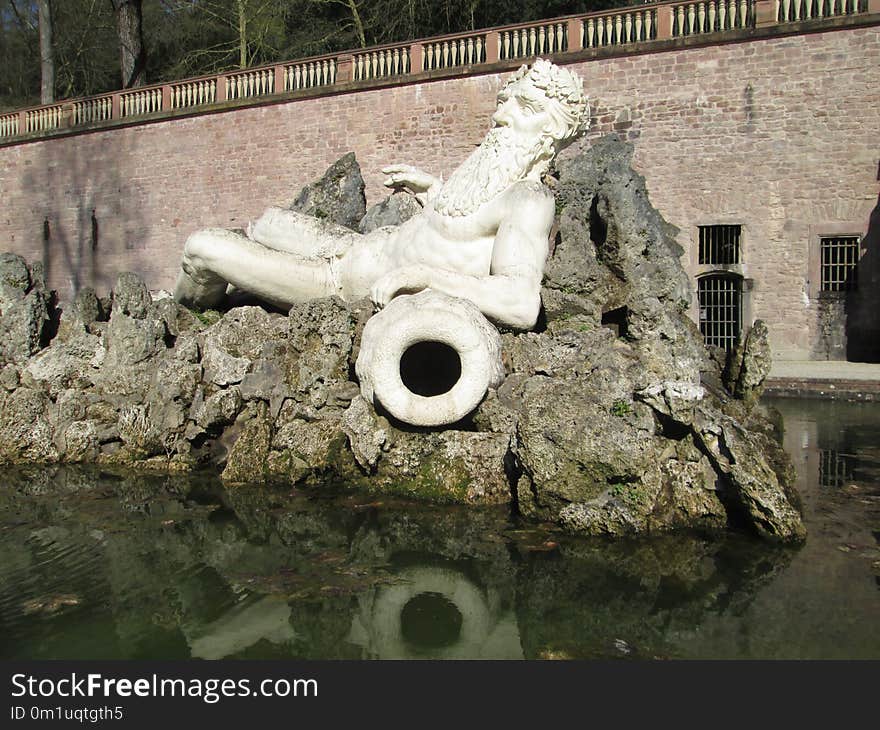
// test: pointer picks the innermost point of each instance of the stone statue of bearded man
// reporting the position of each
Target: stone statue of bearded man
(482, 235)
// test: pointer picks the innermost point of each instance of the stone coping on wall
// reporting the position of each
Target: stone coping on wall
(871, 17)
(848, 390)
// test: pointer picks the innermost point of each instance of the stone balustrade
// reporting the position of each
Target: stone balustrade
(628, 29)
(44, 118)
(450, 52)
(139, 102)
(620, 28)
(381, 63)
(9, 125)
(792, 11)
(309, 74)
(193, 93)
(253, 82)
(533, 40)
(93, 109)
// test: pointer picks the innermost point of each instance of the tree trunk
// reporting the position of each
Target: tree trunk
(132, 54)
(242, 35)
(358, 23)
(47, 55)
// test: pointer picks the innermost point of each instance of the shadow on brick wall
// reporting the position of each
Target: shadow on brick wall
(86, 212)
(863, 304)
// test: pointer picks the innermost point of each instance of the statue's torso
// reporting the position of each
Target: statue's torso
(463, 244)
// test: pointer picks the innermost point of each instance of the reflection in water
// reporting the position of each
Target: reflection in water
(99, 566)
(434, 612)
(835, 468)
(264, 619)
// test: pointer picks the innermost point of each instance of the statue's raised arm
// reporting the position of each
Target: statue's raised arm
(422, 185)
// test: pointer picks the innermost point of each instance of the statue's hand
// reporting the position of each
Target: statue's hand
(405, 280)
(409, 178)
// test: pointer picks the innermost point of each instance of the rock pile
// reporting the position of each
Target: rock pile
(612, 419)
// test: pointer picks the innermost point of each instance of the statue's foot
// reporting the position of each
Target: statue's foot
(205, 293)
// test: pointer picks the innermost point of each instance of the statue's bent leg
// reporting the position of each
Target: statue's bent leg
(214, 258)
(302, 235)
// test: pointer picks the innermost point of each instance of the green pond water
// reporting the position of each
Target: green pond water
(94, 565)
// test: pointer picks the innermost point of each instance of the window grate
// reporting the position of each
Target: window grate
(835, 469)
(719, 245)
(720, 297)
(840, 262)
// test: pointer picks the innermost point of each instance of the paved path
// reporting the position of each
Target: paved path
(824, 370)
(854, 381)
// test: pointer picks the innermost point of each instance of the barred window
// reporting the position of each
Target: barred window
(719, 245)
(720, 297)
(835, 468)
(840, 261)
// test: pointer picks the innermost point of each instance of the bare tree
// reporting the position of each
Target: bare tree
(221, 34)
(47, 53)
(132, 52)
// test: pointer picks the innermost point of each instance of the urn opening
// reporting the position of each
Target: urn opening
(430, 621)
(430, 368)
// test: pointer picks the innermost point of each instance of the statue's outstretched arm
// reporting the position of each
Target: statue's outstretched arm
(417, 182)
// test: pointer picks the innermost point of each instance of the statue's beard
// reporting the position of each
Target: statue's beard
(499, 161)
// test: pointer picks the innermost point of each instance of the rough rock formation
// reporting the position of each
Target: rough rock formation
(394, 210)
(24, 308)
(338, 196)
(612, 419)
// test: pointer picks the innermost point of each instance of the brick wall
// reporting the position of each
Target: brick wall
(781, 135)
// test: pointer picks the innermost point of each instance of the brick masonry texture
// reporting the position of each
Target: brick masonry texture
(781, 135)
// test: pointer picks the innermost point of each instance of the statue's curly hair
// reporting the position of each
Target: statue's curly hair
(571, 110)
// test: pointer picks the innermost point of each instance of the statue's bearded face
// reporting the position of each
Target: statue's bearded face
(523, 108)
(518, 146)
